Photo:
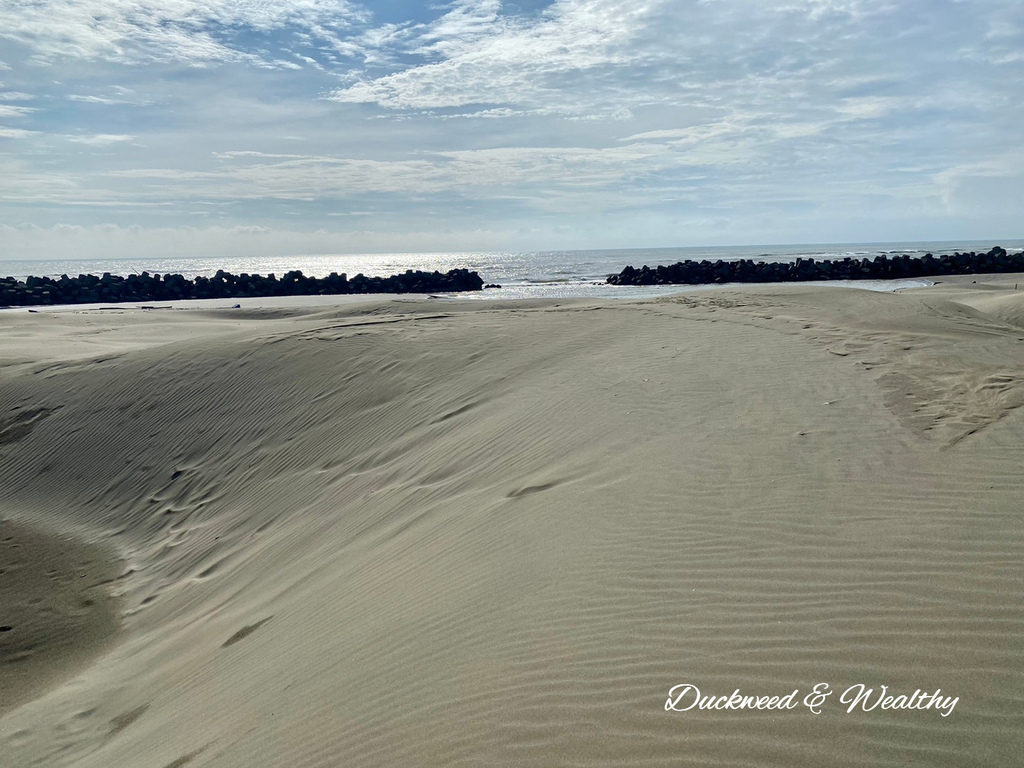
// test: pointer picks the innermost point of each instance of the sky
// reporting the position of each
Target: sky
(273, 127)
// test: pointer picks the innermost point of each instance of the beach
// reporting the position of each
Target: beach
(375, 531)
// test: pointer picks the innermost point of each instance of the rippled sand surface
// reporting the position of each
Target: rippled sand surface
(460, 533)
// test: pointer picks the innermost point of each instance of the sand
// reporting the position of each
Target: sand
(430, 533)
(55, 607)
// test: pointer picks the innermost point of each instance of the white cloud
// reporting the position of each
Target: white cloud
(468, 22)
(669, 133)
(868, 107)
(311, 62)
(121, 96)
(488, 114)
(1002, 176)
(553, 173)
(9, 111)
(101, 139)
(155, 30)
(489, 58)
(93, 99)
(15, 133)
(252, 153)
(115, 204)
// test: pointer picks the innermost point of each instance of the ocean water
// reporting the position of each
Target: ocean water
(522, 274)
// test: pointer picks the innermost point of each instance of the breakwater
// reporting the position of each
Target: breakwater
(108, 288)
(880, 268)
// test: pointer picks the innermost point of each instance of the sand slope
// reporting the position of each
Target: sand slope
(444, 533)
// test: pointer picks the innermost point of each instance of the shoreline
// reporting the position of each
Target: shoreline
(145, 288)
(636, 293)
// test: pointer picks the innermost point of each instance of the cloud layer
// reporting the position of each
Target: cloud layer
(140, 31)
(671, 122)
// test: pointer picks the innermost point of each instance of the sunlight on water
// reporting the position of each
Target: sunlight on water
(522, 274)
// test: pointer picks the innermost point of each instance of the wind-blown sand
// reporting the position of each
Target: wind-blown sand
(418, 532)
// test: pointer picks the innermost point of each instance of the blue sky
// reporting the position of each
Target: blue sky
(232, 127)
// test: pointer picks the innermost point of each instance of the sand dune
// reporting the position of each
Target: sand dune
(460, 533)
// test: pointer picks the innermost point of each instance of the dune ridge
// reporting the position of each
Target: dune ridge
(448, 533)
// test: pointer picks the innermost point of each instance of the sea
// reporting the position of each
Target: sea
(521, 274)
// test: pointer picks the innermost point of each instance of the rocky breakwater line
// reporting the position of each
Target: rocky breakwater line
(86, 289)
(880, 268)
